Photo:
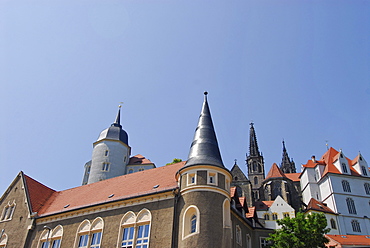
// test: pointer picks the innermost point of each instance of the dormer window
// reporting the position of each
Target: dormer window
(344, 168)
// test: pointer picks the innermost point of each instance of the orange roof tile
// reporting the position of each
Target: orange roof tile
(123, 187)
(293, 176)
(274, 172)
(139, 159)
(318, 206)
(251, 212)
(232, 191)
(263, 205)
(358, 240)
(38, 193)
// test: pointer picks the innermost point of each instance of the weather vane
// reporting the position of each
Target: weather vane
(327, 145)
(120, 104)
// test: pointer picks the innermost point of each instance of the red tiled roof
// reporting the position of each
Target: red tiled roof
(232, 191)
(38, 193)
(263, 205)
(139, 159)
(352, 240)
(274, 172)
(318, 206)
(293, 176)
(119, 188)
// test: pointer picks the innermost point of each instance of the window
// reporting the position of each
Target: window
(254, 166)
(106, 153)
(355, 226)
(266, 216)
(286, 215)
(364, 170)
(367, 188)
(212, 178)
(51, 236)
(255, 180)
(190, 221)
(3, 240)
(226, 214)
(344, 168)
(105, 167)
(135, 230)
(264, 243)
(130, 171)
(345, 185)
(191, 178)
(248, 239)
(90, 234)
(8, 211)
(238, 235)
(274, 216)
(351, 206)
(333, 224)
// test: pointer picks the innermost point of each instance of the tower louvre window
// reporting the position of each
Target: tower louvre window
(367, 188)
(351, 206)
(346, 186)
(355, 226)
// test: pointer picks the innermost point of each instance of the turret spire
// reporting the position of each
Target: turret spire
(253, 146)
(118, 117)
(204, 149)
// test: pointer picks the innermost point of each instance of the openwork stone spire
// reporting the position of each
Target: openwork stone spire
(204, 149)
(253, 146)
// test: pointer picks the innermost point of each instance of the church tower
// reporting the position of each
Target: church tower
(111, 154)
(255, 164)
(204, 195)
(287, 165)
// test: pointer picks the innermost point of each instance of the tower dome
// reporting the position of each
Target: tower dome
(114, 132)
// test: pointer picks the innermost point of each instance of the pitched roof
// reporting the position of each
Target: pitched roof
(352, 240)
(139, 159)
(293, 176)
(275, 172)
(38, 193)
(251, 212)
(118, 188)
(318, 206)
(263, 205)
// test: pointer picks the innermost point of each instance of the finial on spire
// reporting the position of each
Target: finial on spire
(252, 123)
(235, 161)
(327, 145)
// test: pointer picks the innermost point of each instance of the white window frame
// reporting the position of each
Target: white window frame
(90, 229)
(191, 178)
(212, 177)
(189, 212)
(51, 236)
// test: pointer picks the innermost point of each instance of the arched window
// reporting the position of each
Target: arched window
(345, 185)
(351, 206)
(255, 180)
(274, 216)
(238, 235)
(226, 214)
(344, 168)
(355, 226)
(249, 244)
(367, 188)
(333, 224)
(3, 240)
(90, 235)
(8, 211)
(191, 221)
(135, 230)
(51, 237)
(364, 170)
(266, 216)
(254, 166)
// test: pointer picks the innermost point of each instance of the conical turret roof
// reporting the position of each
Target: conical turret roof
(204, 149)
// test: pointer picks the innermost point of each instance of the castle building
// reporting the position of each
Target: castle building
(343, 185)
(181, 205)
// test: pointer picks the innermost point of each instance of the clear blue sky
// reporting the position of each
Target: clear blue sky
(299, 69)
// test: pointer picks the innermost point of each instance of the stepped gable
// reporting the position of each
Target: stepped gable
(275, 172)
(38, 193)
(318, 206)
(117, 188)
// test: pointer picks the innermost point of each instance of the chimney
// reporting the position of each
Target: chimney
(313, 158)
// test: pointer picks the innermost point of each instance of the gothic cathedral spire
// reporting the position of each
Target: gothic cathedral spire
(255, 164)
(287, 165)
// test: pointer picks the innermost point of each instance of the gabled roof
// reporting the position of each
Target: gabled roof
(349, 240)
(318, 206)
(275, 172)
(251, 212)
(263, 205)
(137, 184)
(38, 193)
(139, 159)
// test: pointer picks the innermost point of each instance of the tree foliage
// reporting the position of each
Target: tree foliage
(175, 160)
(303, 231)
